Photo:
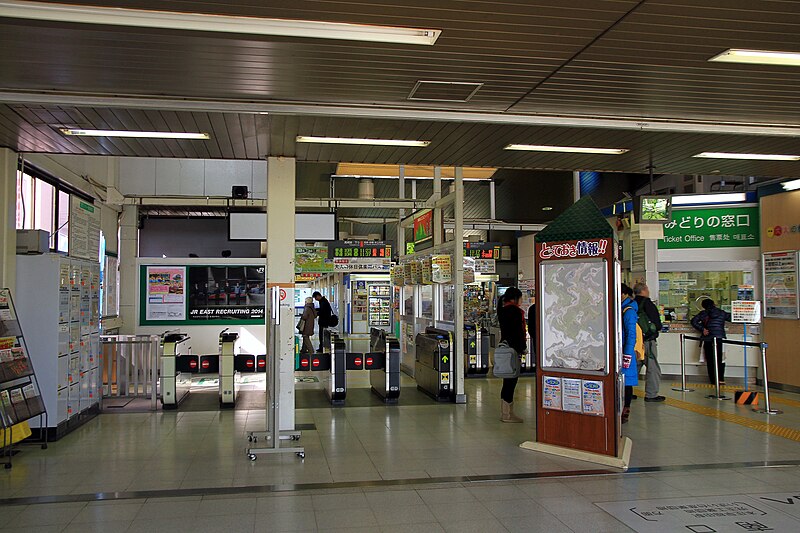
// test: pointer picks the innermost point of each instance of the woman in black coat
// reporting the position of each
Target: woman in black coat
(710, 322)
(512, 330)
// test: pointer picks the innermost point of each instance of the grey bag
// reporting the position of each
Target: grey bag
(506, 361)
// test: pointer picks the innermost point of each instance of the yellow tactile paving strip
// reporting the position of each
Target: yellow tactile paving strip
(732, 388)
(758, 425)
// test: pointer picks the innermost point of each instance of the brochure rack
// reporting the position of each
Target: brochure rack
(20, 395)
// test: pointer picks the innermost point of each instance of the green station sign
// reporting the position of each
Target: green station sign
(711, 227)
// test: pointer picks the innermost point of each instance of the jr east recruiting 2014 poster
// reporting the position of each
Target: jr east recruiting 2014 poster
(166, 294)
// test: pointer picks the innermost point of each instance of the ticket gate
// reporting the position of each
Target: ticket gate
(384, 363)
(528, 364)
(175, 384)
(228, 388)
(433, 367)
(476, 351)
(335, 381)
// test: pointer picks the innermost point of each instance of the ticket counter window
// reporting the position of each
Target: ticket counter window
(680, 293)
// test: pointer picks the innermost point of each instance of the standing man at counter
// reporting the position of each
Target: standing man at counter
(711, 323)
(324, 316)
(649, 310)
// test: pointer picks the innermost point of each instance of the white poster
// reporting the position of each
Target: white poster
(166, 293)
(571, 395)
(593, 397)
(746, 311)
(84, 229)
(551, 392)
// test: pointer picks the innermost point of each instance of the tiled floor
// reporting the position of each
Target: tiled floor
(168, 451)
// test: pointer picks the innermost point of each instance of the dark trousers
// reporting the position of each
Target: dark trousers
(628, 395)
(708, 349)
(507, 393)
(322, 331)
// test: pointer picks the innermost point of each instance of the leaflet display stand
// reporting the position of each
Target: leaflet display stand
(272, 434)
(20, 396)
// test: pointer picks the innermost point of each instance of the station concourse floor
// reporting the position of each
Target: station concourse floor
(429, 467)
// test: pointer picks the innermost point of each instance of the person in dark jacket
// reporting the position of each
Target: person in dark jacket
(532, 326)
(323, 316)
(630, 316)
(653, 376)
(710, 322)
(512, 330)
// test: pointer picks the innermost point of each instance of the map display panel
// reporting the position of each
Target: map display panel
(574, 307)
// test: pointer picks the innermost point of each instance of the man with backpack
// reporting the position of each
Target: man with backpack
(650, 322)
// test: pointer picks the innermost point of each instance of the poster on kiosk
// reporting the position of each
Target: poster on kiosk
(578, 380)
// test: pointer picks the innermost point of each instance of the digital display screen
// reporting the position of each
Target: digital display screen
(655, 209)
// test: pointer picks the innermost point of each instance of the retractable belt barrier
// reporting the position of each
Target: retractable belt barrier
(718, 396)
(433, 367)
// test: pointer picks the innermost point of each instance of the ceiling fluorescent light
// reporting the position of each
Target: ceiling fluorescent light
(566, 149)
(791, 185)
(764, 157)
(348, 140)
(135, 134)
(758, 57)
(173, 20)
(721, 198)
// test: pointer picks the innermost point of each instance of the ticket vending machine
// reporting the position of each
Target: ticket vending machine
(175, 384)
(228, 388)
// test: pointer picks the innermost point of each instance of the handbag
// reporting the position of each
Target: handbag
(506, 361)
(301, 325)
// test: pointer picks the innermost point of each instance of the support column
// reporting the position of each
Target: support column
(280, 271)
(8, 219)
(576, 186)
(438, 238)
(401, 231)
(128, 268)
(458, 260)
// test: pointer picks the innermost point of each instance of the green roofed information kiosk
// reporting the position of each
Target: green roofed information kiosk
(579, 386)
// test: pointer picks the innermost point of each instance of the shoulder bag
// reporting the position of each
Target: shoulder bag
(506, 361)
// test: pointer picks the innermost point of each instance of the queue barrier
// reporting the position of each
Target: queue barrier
(131, 366)
(717, 395)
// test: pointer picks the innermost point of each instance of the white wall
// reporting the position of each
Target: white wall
(525, 257)
(146, 176)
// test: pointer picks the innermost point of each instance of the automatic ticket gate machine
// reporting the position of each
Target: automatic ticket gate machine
(433, 368)
(335, 381)
(175, 384)
(476, 351)
(228, 388)
(383, 362)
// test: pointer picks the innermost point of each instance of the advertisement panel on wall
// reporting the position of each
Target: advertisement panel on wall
(202, 295)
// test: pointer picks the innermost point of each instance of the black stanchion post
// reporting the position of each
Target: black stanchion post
(718, 395)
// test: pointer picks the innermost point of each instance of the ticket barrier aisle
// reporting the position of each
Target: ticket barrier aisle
(433, 368)
(228, 388)
(175, 384)
(476, 351)
(384, 363)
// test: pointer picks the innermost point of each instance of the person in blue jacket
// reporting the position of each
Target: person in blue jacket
(630, 316)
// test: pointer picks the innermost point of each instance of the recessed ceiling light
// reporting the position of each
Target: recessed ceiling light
(348, 140)
(764, 157)
(547, 208)
(791, 185)
(718, 198)
(173, 20)
(136, 134)
(758, 57)
(566, 149)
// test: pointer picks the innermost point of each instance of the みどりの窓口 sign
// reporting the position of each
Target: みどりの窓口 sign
(716, 227)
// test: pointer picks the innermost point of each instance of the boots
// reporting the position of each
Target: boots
(626, 413)
(507, 413)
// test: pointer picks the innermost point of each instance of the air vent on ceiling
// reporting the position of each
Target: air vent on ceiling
(444, 91)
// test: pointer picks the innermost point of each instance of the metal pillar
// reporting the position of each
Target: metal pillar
(458, 268)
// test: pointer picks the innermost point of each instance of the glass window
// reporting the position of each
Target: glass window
(681, 293)
(63, 222)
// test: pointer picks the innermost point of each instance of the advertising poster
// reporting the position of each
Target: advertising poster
(469, 270)
(781, 285)
(226, 292)
(426, 268)
(398, 275)
(423, 227)
(415, 267)
(593, 397)
(441, 269)
(166, 297)
(571, 395)
(485, 266)
(551, 392)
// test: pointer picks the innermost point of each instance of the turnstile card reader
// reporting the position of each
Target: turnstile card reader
(384, 363)
(175, 384)
(476, 350)
(433, 368)
(336, 380)
(228, 388)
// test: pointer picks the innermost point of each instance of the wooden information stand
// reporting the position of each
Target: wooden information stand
(578, 384)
